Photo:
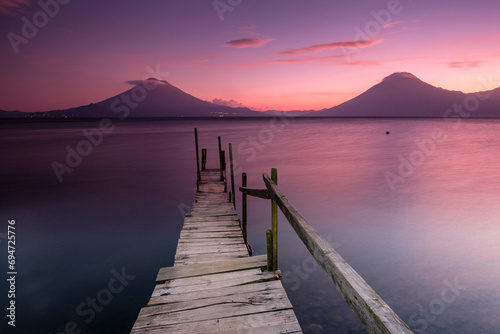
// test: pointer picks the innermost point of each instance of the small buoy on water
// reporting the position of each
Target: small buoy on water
(387, 132)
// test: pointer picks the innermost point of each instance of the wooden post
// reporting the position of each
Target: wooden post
(203, 158)
(220, 159)
(274, 224)
(223, 168)
(232, 174)
(198, 176)
(244, 207)
(270, 255)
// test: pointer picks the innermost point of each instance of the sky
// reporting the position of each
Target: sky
(263, 54)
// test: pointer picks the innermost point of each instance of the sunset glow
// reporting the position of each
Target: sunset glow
(284, 55)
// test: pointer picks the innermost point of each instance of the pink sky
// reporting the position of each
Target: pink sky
(263, 54)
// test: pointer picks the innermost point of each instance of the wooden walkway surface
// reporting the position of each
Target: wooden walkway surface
(214, 285)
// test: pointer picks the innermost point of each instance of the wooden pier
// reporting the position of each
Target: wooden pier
(216, 286)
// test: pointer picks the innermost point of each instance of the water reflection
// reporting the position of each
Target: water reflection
(121, 207)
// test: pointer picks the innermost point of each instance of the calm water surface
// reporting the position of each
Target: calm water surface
(415, 212)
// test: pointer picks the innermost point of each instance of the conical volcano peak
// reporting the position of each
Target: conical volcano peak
(400, 75)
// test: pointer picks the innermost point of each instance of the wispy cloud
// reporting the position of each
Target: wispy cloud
(332, 46)
(364, 63)
(465, 64)
(392, 24)
(141, 82)
(12, 7)
(371, 62)
(248, 43)
(294, 61)
(249, 30)
(228, 103)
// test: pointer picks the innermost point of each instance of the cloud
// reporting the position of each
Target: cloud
(370, 62)
(295, 61)
(391, 24)
(332, 46)
(465, 64)
(228, 103)
(141, 82)
(247, 43)
(249, 30)
(12, 7)
(364, 63)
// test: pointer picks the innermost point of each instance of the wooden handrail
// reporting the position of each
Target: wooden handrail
(375, 315)
(260, 193)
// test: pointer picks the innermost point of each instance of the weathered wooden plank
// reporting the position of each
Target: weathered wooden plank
(251, 262)
(375, 315)
(212, 214)
(196, 258)
(225, 225)
(273, 299)
(214, 281)
(217, 249)
(210, 235)
(209, 220)
(213, 308)
(224, 291)
(212, 228)
(229, 241)
(263, 323)
(195, 249)
(211, 255)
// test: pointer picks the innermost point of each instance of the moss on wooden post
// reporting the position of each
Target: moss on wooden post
(270, 255)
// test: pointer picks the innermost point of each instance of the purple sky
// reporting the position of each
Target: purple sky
(264, 54)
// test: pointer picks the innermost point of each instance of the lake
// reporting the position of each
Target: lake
(415, 211)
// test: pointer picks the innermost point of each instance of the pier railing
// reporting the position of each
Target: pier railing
(374, 314)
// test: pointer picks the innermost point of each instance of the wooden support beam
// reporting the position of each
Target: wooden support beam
(260, 193)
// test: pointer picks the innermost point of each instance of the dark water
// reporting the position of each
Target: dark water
(426, 237)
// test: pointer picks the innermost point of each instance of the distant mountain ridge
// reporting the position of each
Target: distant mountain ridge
(402, 94)
(148, 98)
